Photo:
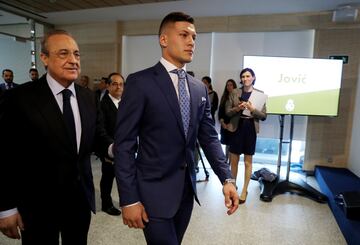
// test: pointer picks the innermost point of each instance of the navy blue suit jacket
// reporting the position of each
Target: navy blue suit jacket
(149, 116)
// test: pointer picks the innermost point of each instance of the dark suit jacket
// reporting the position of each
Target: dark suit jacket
(98, 93)
(109, 112)
(38, 166)
(3, 86)
(149, 109)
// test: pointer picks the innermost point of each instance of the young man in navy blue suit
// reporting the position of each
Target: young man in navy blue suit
(161, 114)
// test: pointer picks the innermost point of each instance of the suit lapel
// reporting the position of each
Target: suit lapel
(85, 117)
(110, 103)
(194, 101)
(51, 112)
(163, 79)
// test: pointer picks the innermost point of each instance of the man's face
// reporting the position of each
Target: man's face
(116, 87)
(62, 59)
(84, 81)
(102, 84)
(178, 42)
(34, 75)
(8, 76)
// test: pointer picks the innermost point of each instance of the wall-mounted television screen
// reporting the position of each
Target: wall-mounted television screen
(298, 86)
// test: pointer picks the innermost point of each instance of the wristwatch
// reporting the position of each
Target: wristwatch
(232, 181)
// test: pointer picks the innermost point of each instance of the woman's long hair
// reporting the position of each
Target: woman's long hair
(225, 95)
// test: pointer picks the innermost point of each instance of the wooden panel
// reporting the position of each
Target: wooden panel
(328, 139)
(98, 60)
(34, 6)
(101, 32)
(150, 27)
(44, 6)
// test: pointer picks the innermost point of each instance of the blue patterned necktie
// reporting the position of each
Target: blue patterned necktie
(69, 116)
(184, 99)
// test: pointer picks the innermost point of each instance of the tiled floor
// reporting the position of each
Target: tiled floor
(288, 219)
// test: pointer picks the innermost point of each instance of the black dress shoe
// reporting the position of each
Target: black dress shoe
(112, 211)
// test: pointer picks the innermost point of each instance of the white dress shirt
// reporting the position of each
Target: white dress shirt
(115, 100)
(174, 77)
(56, 89)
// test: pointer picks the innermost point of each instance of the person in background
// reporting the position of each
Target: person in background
(33, 74)
(244, 127)
(214, 99)
(46, 183)
(8, 77)
(157, 127)
(109, 108)
(225, 135)
(84, 81)
(102, 88)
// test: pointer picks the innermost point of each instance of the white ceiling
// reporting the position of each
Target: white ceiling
(196, 8)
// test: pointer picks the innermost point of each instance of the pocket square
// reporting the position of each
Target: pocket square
(203, 99)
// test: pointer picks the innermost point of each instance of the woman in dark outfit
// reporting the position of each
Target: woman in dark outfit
(244, 127)
(223, 118)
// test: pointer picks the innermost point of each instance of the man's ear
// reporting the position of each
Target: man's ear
(163, 40)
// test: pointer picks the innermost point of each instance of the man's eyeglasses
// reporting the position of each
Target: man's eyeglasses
(117, 84)
(64, 54)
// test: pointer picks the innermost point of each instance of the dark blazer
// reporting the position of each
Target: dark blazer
(38, 166)
(98, 93)
(3, 86)
(230, 108)
(109, 112)
(150, 110)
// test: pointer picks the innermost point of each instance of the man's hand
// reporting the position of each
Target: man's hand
(10, 226)
(133, 216)
(231, 198)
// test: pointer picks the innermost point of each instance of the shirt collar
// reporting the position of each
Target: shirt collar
(115, 100)
(169, 66)
(56, 87)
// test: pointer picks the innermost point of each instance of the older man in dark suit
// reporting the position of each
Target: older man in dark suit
(52, 127)
(109, 108)
(162, 113)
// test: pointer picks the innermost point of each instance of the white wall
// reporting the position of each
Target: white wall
(354, 156)
(15, 56)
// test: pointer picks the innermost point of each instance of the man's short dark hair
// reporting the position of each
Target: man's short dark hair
(108, 80)
(207, 78)
(33, 69)
(44, 41)
(174, 17)
(7, 70)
